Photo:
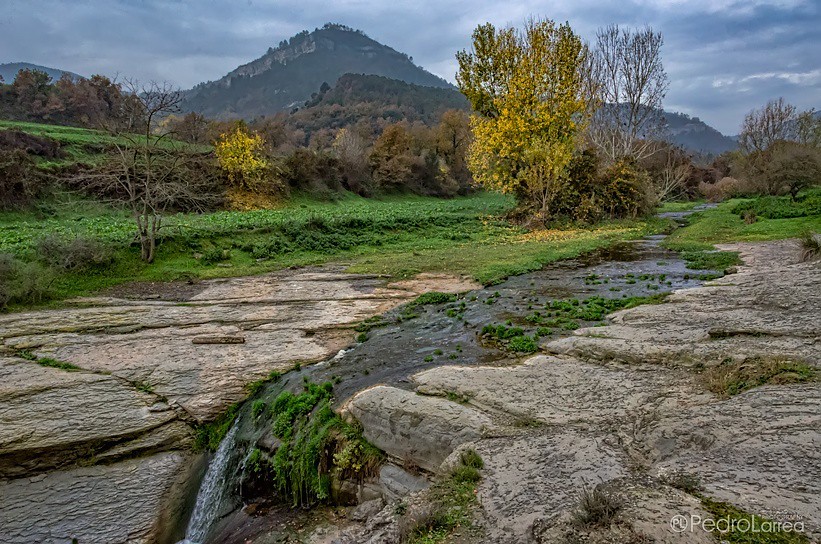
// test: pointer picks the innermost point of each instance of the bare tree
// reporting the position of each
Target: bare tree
(808, 128)
(669, 180)
(148, 170)
(632, 84)
(776, 121)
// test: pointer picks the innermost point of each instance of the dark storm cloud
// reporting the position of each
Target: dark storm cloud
(723, 57)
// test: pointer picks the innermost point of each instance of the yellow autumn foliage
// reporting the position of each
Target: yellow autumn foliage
(241, 156)
(531, 100)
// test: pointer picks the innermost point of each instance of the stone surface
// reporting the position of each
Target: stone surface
(95, 454)
(115, 504)
(50, 417)
(421, 430)
(770, 308)
(397, 482)
(619, 406)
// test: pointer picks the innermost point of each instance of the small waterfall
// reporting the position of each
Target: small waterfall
(213, 492)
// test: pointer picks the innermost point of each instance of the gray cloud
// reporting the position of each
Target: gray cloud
(723, 57)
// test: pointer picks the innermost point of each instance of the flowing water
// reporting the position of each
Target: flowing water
(215, 492)
(444, 334)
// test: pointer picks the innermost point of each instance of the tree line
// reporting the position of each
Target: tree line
(577, 130)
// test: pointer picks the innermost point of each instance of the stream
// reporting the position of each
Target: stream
(435, 335)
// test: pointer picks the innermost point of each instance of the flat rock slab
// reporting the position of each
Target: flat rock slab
(532, 478)
(50, 417)
(556, 391)
(283, 318)
(760, 450)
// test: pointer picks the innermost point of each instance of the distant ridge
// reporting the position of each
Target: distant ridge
(286, 76)
(696, 136)
(9, 71)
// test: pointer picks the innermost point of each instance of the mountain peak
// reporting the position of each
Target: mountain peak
(288, 74)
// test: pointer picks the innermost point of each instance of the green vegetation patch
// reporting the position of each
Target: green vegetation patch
(731, 378)
(450, 504)
(735, 526)
(777, 218)
(46, 361)
(781, 207)
(316, 446)
(710, 260)
(207, 436)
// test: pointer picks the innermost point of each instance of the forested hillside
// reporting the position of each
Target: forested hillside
(285, 76)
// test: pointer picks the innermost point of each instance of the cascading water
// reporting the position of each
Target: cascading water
(213, 492)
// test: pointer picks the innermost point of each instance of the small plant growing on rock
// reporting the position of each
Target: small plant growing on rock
(685, 481)
(597, 506)
(258, 408)
(470, 458)
(810, 246)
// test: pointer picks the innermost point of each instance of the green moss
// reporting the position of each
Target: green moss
(310, 432)
(739, 520)
(434, 297)
(207, 436)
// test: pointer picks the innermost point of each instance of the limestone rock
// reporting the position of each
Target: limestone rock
(116, 504)
(51, 417)
(419, 429)
(397, 482)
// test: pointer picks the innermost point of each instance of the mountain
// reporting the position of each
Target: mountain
(9, 71)
(285, 77)
(696, 136)
(375, 101)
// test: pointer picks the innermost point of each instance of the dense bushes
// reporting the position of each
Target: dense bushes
(20, 180)
(23, 283)
(74, 254)
(589, 193)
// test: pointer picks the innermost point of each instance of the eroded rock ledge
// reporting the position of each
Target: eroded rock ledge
(102, 453)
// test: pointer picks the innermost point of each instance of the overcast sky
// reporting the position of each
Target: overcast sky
(723, 57)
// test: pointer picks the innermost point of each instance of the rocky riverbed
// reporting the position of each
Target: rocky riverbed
(625, 406)
(102, 453)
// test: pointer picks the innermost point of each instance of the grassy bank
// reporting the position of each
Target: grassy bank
(745, 220)
(725, 223)
(397, 236)
(80, 145)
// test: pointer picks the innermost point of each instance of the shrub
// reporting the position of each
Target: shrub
(23, 283)
(726, 187)
(810, 246)
(597, 507)
(781, 207)
(75, 254)
(20, 180)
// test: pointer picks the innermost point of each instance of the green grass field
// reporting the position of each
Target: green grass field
(398, 236)
(725, 223)
(81, 145)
